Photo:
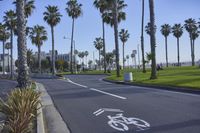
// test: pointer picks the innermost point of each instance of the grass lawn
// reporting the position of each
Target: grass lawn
(172, 76)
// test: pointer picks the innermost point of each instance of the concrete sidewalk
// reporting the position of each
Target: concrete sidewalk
(49, 118)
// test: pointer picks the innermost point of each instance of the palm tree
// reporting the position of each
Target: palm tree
(38, 35)
(74, 11)
(86, 55)
(82, 55)
(30, 58)
(123, 35)
(166, 30)
(113, 16)
(98, 43)
(191, 27)
(4, 35)
(127, 58)
(8, 47)
(177, 31)
(23, 75)
(10, 21)
(153, 39)
(142, 39)
(195, 35)
(102, 6)
(52, 16)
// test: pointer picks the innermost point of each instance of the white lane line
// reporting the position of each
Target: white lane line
(110, 94)
(76, 83)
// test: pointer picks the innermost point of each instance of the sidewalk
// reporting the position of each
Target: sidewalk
(49, 119)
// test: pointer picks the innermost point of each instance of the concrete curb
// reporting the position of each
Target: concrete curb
(50, 119)
(168, 88)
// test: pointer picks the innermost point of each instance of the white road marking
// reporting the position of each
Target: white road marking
(100, 111)
(110, 94)
(76, 83)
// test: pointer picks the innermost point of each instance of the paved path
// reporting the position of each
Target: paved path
(90, 105)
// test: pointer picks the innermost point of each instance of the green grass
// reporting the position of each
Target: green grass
(173, 76)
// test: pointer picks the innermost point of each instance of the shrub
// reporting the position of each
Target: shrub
(20, 110)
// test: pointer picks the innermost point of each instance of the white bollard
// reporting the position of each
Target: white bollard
(128, 77)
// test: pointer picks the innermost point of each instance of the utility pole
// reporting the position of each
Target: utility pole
(138, 55)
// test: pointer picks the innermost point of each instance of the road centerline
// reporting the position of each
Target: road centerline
(107, 93)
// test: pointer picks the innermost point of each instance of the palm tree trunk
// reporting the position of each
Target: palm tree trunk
(3, 68)
(191, 43)
(99, 59)
(142, 39)
(166, 51)
(104, 46)
(123, 56)
(178, 52)
(72, 39)
(11, 42)
(115, 14)
(153, 40)
(53, 52)
(23, 75)
(8, 60)
(193, 55)
(39, 58)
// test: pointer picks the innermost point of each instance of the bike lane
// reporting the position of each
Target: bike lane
(165, 111)
(79, 107)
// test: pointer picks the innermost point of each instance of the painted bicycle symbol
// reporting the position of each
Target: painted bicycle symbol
(119, 122)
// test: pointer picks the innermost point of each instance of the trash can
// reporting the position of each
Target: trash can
(128, 77)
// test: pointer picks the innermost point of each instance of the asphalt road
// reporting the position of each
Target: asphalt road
(90, 105)
(6, 86)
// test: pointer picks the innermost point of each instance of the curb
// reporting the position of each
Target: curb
(50, 119)
(168, 88)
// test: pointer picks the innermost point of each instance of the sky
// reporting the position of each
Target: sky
(89, 26)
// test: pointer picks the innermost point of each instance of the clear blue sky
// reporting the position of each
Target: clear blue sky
(88, 26)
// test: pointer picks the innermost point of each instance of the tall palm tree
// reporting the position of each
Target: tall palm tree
(195, 35)
(102, 6)
(8, 47)
(166, 30)
(52, 16)
(153, 39)
(127, 58)
(23, 75)
(38, 35)
(74, 11)
(10, 21)
(191, 27)
(142, 39)
(86, 55)
(4, 35)
(123, 35)
(177, 31)
(113, 16)
(98, 43)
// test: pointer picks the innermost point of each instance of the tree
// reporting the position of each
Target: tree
(102, 6)
(113, 16)
(166, 30)
(81, 55)
(86, 55)
(98, 43)
(38, 35)
(124, 35)
(23, 75)
(177, 31)
(195, 35)
(30, 58)
(52, 16)
(191, 27)
(10, 21)
(90, 63)
(127, 58)
(8, 47)
(153, 40)
(60, 64)
(4, 35)
(142, 39)
(74, 11)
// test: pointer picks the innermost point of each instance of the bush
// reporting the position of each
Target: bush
(20, 110)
